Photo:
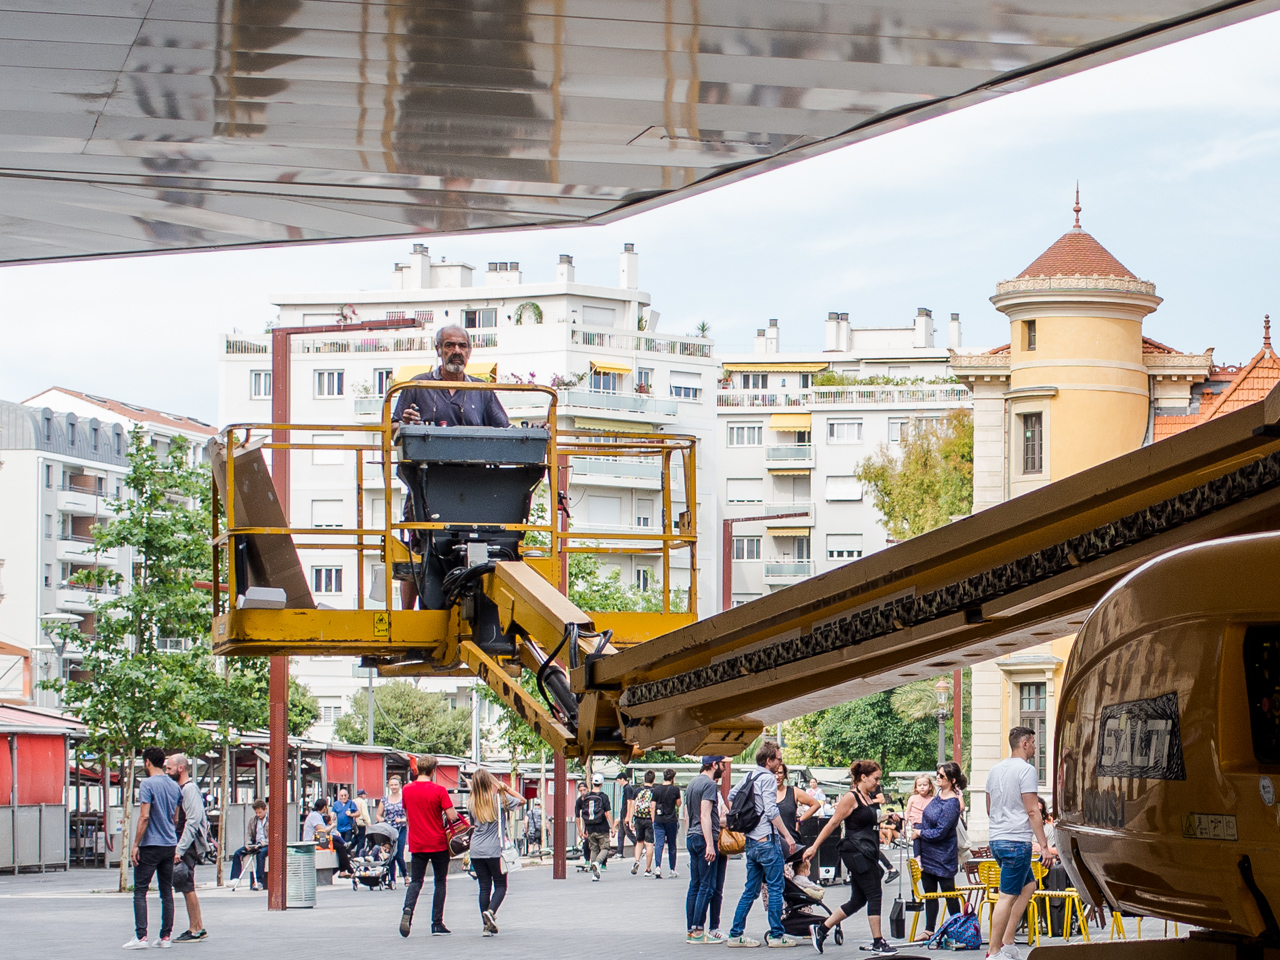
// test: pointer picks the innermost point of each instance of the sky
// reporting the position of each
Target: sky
(1176, 152)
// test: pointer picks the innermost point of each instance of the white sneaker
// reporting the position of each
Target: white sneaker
(716, 936)
(782, 941)
(137, 943)
(1010, 952)
(164, 943)
(672, 874)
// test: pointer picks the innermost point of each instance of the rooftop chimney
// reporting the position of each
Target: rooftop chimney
(833, 341)
(924, 328)
(564, 269)
(771, 337)
(419, 275)
(760, 341)
(953, 332)
(630, 267)
(502, 274)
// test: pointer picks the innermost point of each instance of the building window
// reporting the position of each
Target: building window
(382, 380)
(1032, 442)
(897, 426)
(746, 548)
(844, 488)
(644, 378)
(329, 383)
(685, 393)
(48, 526)
(644, 577)
(93, 438)
(603, 381)
(330, 714)
(119, 445)
(844, 546)
(48, 476)
(477, 319)
(746, 490)
(746, 434)
(1028, 335)
(644, 513)
(326, 579)
(1032, 713)
(326, 513)
(804, 548)
(48, 574)
(844, 431)
(395, 315)
(424, 316)
(260, 385)
(48, 427)
(755, 381)
(806, 381)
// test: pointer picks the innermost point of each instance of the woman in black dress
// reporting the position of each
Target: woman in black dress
(860, 851)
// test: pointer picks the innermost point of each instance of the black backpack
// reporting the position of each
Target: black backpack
(593, 809)
(744, 817)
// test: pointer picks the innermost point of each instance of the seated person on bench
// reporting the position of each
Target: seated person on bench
(450, 408)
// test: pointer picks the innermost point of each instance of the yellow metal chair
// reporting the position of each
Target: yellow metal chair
(989, 874)
(960, 893)
(1071, 898)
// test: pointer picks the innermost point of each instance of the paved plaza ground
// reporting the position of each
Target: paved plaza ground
(69, 915)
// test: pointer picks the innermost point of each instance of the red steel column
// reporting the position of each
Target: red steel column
(560, 818)
(726, 566)
(278, 724)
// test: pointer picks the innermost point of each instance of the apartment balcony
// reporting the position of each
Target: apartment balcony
(626, 470)
(368, 406)
(81, 550)
(629, 406)
(773, 510)
(75, 598)
(83, 503)
(789, 456)
(778, 572)
(860, 396)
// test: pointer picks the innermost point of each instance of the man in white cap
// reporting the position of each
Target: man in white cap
(597, 824)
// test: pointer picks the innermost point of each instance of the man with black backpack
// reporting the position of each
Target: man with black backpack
(640, 817)
(596, 822)
(753, 810)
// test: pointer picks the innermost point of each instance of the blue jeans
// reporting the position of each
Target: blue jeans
(1014, 858)
(664, 834)
(764, 865)
(706, 884)
(259, 863)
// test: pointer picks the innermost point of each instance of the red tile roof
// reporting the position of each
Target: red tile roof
(1077, 254)
(145, 414)
(1251, 383)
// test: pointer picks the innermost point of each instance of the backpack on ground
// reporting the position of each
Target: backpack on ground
(960, 932)
(644, 804)
(744, 817)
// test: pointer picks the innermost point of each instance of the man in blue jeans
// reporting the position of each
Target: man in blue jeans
(706, 865)
(1013, 809)
(765, 845)
(154, 842)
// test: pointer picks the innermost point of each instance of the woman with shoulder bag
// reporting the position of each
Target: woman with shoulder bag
(860, 851)
(939, 849)
(490, 800)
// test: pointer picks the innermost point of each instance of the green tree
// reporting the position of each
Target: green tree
(406, 718)
(304, 709)
(864, 729)
(927, 481)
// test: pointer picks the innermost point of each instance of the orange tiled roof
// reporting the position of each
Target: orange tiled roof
(1251, 384)
(144, 414)
(1077, 254)
(1168, 426)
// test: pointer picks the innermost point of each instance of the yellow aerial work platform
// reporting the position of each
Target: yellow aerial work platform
(499, 527)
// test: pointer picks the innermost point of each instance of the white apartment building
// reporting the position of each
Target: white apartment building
(788, 450)
(63, 460)
(600, 338)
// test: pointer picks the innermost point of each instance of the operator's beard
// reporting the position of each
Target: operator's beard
(455, 366)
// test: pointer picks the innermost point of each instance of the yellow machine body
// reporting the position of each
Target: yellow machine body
(1167, 767)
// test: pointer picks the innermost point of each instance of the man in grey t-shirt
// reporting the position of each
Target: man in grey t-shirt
(706, 865)
(1013, 811)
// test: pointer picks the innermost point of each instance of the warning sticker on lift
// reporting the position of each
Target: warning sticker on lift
(381, 624)
(1209, 826)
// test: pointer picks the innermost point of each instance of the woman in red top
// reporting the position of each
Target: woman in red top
(426, 805)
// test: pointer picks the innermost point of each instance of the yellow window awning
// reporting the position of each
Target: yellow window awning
(611, 366)
(789, 472)
(411, 370)
(790, 532)
(484, 369)
(775, 367)
(790, 421)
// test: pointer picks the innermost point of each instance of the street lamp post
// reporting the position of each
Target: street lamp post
(940, 689)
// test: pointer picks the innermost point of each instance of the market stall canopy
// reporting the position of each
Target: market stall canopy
(137, 126)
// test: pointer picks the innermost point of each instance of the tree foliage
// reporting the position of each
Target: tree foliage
(927, 481)
(406, 718)
(864, 729)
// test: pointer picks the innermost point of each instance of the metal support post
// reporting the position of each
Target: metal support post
(559, 836)
(369, 694)
(278, 783)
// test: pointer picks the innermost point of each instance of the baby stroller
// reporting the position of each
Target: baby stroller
(371, 873)
(800, 910)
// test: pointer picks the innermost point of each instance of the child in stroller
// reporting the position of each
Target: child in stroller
(800, 908)
(372, 870)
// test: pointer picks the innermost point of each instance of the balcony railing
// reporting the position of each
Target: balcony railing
(237, 347)
(788, 569)
(631, 341)
(789, 452)
(622, 467)
(844, 396)
(104, 590)
(625, 402)
(774, 509)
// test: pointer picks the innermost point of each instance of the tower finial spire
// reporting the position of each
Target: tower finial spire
(1076, 208)
(1266, 332)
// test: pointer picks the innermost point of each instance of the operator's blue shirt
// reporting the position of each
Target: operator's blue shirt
(344, 812)
(462, 408)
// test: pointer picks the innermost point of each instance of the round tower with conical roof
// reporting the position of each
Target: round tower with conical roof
(1078, 389)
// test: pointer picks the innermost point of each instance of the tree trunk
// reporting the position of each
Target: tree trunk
(222, 806)
(126, 803)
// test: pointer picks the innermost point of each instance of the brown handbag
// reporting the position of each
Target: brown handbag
(731, 843)
(459, 832)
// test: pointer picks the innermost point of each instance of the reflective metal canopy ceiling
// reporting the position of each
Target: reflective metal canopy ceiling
(135, 126)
